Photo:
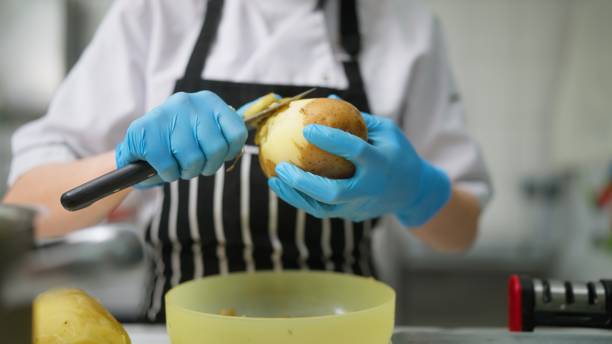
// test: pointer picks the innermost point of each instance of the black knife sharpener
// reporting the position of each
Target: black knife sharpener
(536, 302)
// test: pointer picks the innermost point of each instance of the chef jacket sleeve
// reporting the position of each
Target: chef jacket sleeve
(435, 124)
(103, 93)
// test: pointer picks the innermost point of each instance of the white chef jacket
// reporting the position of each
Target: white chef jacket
(142, 48)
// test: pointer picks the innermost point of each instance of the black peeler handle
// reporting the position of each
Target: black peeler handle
(94, 190)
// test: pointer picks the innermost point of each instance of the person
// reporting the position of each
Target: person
(159, 82)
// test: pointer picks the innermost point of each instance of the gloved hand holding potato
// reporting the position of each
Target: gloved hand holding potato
(325, 157)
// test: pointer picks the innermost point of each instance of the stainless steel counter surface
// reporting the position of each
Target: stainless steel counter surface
(408, 335)
(147, 334)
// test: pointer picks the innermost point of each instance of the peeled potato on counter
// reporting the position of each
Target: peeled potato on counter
(280, 137)
(70, 316)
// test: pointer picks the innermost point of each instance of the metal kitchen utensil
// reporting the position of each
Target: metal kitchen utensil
(91, 255)
(16, 240)
(94, 190)
(298, 307)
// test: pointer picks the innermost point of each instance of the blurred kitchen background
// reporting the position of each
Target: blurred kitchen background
(537, 82)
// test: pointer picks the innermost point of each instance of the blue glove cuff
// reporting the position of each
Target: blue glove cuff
(121, 161)
(433, 194)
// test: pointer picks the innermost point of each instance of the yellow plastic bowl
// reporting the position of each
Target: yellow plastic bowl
(281, 308)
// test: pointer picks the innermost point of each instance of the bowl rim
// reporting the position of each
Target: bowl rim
(386, 288)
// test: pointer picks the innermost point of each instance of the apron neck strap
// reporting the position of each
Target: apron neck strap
(350, 39)
(349, 28)
(349, 32)
(206, 38)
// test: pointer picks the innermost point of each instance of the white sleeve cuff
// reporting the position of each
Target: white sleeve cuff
(34, 156)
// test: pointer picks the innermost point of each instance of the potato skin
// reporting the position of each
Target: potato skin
(63, 316)
(334, 113)
(338, 114)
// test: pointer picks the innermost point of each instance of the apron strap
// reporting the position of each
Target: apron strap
(349, 28)
(351, 42)
(349, 31)
(206, 38)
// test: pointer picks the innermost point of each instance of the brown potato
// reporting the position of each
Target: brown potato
(280, 137)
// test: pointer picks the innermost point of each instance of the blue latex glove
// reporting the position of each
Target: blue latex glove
(390, 177)
(188, 135)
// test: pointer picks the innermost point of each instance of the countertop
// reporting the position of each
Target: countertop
(147, 334)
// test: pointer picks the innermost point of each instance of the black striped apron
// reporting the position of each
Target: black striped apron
(233, 221)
